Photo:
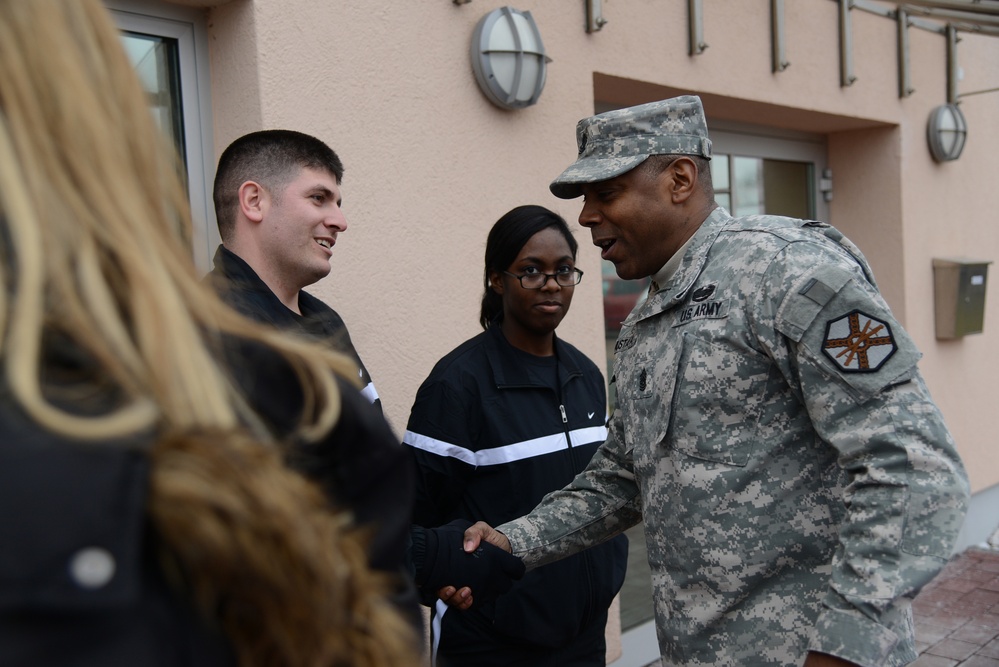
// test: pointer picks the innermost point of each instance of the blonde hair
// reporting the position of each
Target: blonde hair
(317, 609)
(94, 253)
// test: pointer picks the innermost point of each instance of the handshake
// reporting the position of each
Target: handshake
(440, 560)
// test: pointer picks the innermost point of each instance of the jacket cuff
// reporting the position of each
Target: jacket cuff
(850, 635)
(422, 542)
(515, 536)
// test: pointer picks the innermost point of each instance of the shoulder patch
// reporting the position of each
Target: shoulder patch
(858, 343)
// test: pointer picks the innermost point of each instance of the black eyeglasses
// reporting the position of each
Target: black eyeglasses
(564, 277)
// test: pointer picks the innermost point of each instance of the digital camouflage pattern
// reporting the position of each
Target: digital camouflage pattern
(615, 142)
(798, 484)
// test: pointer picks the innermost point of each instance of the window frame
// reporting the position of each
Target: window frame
(188, 27)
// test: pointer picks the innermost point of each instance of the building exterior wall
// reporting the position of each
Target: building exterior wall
(431, 164)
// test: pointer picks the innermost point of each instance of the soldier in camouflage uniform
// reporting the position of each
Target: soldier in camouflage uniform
(796, 481)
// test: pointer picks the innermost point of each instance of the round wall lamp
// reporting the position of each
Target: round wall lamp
(946, 132)
(508, 58)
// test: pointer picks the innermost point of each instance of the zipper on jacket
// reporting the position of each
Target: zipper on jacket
(561, 403)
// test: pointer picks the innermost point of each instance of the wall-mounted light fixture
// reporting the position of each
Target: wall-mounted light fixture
(509, 58)
(946, 132)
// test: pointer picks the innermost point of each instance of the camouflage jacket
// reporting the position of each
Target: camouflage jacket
(797, 483)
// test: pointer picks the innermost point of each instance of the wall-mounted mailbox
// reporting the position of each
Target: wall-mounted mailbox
(959, 296)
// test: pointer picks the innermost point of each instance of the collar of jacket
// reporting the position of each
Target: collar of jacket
(234, 269)
(234, 273)
(508, 369)
(675, 292)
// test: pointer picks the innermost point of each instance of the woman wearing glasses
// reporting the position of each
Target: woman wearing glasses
(505, 418)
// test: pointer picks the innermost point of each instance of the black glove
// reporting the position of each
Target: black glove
(489, 571)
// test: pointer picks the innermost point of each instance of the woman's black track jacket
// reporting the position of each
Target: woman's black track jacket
(489, 443)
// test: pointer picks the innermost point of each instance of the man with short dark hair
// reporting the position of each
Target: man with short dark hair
(796, 482)
(277, 200)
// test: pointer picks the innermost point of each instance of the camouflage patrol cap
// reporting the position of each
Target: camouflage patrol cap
(615, 142)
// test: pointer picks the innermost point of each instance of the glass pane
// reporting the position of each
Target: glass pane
(747, 190)
(724, 200)
(787, 188)
(155, 61)
(719, 172)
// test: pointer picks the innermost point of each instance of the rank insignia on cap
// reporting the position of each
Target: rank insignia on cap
(858, 343)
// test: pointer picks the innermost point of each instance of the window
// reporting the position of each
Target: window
(767, 171)
(168, 45)
(156, 62)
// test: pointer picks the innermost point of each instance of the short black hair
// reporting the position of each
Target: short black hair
(506, 239)
(272, 158)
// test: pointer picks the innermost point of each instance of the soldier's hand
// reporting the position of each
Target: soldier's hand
(480, 531)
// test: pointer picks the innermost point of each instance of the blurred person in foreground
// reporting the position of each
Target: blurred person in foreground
(147, 514)
(797, 484)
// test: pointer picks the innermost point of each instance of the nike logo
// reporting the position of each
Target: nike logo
(589, 415)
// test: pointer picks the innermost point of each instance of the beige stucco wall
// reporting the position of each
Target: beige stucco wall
(431, 163)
